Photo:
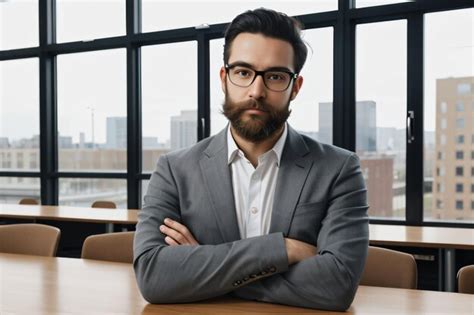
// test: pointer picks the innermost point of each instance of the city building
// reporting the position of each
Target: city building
(116, 132)
(453, 185)
(184, 129)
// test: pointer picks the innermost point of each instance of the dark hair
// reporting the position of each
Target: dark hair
(272, 24)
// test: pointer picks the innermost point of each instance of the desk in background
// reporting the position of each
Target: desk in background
(35, 285)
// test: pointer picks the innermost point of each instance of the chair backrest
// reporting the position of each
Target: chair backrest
(29, 239)
(389, 268)
(466, 279)
(104, 204)
(28, 201)
(116, 247)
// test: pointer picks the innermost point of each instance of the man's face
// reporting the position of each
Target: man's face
(256, 112)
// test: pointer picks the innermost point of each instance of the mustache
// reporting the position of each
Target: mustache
(252, 104)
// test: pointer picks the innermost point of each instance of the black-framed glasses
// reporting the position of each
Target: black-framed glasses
(275, 80)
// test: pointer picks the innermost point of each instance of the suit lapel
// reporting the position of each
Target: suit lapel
(295, 165)
(218, 184)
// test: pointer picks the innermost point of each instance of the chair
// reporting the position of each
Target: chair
(389, 268)
(116, 247)
(29, 239)
(28, 201)
(104, 204)
(466, 279)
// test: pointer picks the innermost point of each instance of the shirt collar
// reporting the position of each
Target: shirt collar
(233, 150)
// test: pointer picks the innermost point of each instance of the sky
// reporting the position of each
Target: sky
(95, 83)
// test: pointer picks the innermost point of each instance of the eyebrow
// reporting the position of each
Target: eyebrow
(248, 65)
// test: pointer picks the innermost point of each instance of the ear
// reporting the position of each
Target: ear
(296, 87)
(222, 74)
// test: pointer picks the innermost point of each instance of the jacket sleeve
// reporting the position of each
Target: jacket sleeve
(175, 274)
(330, 279)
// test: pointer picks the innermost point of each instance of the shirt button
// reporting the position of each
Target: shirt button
(254, 210)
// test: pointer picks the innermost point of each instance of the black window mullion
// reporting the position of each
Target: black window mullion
(134, 125)
(344, 79)
(414, 151)
(204, 121)
(48, 104)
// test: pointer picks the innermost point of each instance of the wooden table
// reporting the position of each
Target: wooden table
(43, 285)
(65, 213)
(446, 239)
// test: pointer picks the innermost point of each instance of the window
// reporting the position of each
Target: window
(19, 26)
(444, 123)
(464, 88)
(459, 106)
(472, 155)
(92, 115)
(370, 3)
(380, 110)
(472, 171)
(13, 189)
(440, 155)
(460, 123)
(443, 107)
(84, 20)
(164, 15)
(169, 110)
(82, 192)
(447, 88)
(472, 205)
(459, 205)
(472, 188)
(19, 112)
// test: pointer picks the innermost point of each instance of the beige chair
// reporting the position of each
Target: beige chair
(389, 268)
(116, 247)
(466, 279)
(28, 201)
(104, 204)
(29, 239)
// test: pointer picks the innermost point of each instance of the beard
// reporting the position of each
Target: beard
(255, 128)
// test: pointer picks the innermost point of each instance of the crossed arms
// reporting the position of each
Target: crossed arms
(171, 267)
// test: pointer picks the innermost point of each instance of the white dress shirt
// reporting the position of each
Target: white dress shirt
(254, 188)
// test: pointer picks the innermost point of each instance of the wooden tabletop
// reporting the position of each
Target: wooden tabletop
(65, 213)
(421, 236)
(42, 285)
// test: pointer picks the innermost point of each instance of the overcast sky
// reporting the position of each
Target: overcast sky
(97, 81)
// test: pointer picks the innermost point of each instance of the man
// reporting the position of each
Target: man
(258, 210)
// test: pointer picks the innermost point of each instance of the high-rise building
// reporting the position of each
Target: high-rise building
(366, 132)
(366, 135)
(116, 132)
(453, 184)
(184, 129)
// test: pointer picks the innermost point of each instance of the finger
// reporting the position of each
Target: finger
(170, 241)
(181, 229)
(178, 237)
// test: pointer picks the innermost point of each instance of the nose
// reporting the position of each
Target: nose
(258, 89)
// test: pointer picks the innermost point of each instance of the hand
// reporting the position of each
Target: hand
(177, 234)
(298, 250)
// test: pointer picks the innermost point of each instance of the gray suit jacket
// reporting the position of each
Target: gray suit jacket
(320, 198)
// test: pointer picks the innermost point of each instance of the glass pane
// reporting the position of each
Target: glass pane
(380, 114)
(92, 111)
(169, 110)
(312, 108)
(13, 189)
(18, 24)
(371, 3)
(163, 15)
(19, 115)
(82, 192)
(449, 116)
(88, 20)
